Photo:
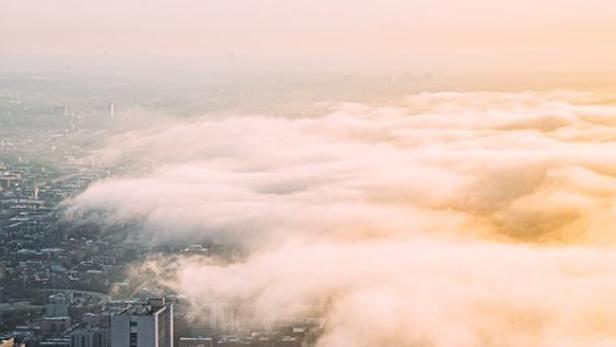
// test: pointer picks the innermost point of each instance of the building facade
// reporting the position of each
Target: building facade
(145, 324)
(90, 337)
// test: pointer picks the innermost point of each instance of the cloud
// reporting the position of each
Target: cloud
(422, 293)
(447, 219)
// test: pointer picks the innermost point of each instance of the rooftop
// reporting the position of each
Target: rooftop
(144, 308)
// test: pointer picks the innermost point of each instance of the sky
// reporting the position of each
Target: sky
(566, 40)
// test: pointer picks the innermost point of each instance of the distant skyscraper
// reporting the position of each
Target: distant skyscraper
(90, 337)
(145, 324)
(111, 111)
(57, 306)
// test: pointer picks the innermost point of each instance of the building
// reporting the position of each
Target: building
(54, 326)
(145, 324)
(57, 306)
(196, 342)
(90, 337)
(55, 342)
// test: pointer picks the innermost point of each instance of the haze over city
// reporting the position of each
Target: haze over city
(307, 173)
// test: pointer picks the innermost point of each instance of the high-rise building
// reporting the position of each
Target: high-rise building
(90, 337)
(57, 306)
(145, 324)
(53, 326)
(55, 342)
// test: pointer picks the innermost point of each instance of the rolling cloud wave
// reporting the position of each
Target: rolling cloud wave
(449, 219)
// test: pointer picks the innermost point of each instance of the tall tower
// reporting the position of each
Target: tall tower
(145, 324)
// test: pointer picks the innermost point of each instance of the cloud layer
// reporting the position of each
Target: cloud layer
(467, 219)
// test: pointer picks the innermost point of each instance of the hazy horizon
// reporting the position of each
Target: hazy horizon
(477, 43)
